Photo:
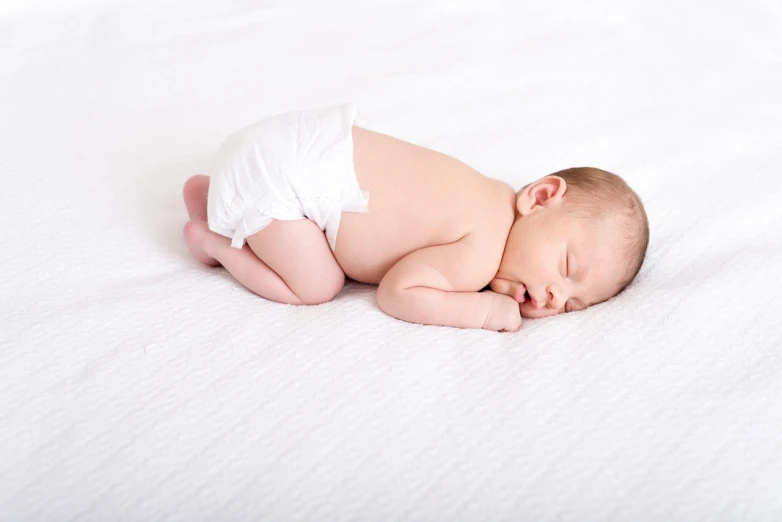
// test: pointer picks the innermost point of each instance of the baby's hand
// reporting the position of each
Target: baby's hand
(504, 314)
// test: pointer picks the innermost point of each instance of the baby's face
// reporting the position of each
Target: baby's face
(555, 262)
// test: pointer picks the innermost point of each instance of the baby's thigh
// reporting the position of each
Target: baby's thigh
(300, 254)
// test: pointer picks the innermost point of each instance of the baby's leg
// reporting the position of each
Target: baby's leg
(298, 251)
(195, 193)
(245, 266)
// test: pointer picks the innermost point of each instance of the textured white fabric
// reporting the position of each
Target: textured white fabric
(286, 166)
(137, 385)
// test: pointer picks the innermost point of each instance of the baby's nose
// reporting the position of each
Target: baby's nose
(554, 297)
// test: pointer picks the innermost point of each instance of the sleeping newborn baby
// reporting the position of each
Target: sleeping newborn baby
(298, 201)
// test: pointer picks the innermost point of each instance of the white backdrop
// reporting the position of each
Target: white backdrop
(137, 385)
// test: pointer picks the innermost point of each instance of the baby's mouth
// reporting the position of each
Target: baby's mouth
(521, 293)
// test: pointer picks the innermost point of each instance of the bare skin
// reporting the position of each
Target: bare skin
(435, 235)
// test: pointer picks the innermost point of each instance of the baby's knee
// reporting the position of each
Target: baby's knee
(323, 291)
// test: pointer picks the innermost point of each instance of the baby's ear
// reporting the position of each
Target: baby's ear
(544, 191)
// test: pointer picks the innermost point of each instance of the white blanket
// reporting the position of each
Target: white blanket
(136, 384)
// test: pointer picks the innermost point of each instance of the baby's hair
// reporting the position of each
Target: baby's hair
(597, 193)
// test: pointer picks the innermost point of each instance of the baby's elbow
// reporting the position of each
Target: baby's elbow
(388, 296)
(398, 300)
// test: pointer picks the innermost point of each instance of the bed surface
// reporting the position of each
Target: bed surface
(137, 385)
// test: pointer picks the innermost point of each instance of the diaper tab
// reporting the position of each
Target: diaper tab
(239, 235)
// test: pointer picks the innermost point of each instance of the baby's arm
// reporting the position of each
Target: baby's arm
(429, 286)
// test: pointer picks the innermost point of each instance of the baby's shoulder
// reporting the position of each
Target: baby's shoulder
(489, 223)
(493, 211)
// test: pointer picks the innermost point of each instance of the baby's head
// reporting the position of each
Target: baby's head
(579, 238)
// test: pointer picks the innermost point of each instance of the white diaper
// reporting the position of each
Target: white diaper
(289, 166)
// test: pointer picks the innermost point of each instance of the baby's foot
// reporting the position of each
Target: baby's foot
(196, 231)
(195, 192)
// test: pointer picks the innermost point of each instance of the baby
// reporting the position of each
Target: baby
(298, 201)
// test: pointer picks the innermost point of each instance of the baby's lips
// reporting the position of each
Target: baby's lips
(519, 295)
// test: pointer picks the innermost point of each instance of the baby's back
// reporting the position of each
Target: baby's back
(417, 198)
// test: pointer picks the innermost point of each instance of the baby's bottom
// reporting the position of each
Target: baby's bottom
(288, 261)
